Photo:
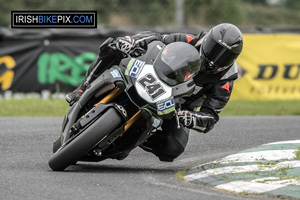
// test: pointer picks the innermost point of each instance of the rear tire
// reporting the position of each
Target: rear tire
(85, 141)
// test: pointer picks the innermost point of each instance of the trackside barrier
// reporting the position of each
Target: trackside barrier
(269, 65)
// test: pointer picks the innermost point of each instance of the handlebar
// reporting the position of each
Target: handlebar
(135, 52)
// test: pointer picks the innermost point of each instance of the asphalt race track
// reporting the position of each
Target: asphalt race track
(26, 145)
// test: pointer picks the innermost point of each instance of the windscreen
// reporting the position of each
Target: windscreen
(177, 63)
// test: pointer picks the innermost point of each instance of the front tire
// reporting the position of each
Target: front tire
(83, 143)
(56, 145)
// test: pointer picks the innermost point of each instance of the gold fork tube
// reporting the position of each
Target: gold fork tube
(132, 120)
(113, 94)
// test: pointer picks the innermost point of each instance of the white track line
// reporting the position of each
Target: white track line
(270, 155)
(254, 186)
(241, 169)
(284, 142)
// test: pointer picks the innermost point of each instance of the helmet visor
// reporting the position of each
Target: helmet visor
(217, 53)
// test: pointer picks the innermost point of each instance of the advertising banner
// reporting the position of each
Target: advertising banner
(58, 65)
(270, 67)
(269, 64)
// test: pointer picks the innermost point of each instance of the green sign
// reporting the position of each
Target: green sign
(54, 67)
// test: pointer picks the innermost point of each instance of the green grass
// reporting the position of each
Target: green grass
(33, 107)
(258, 108)
(297, 154)
(180, 174)
(58, 107)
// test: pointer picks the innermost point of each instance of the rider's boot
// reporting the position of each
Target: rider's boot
(90, 76)
(73, 97)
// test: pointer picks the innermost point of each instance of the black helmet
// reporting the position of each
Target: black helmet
(220, 47)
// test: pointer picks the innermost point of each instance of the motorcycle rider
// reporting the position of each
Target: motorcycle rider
(218, 50)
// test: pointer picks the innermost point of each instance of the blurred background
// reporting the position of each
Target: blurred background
(52, 62)
(172, 13)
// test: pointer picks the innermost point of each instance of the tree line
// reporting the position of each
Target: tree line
(115, 13)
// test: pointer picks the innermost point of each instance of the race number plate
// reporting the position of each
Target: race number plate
(150, 87)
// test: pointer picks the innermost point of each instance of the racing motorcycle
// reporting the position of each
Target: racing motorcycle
(125, 104)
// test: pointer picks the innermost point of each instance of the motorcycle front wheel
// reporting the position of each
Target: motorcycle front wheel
(83, 143)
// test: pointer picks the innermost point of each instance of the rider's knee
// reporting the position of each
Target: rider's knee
(171, 150)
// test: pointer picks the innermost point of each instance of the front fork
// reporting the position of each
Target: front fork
(110, 97)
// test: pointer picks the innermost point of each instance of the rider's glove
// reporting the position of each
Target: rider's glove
(186, 118)
(199, 121)
(125, 44)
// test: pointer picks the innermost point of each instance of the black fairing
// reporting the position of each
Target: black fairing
(72, 115)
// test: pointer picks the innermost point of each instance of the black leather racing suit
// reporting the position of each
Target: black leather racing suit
(211, 95)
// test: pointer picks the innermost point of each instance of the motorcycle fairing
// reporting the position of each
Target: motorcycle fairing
(105, 79)
(141, 74)
(150, 87)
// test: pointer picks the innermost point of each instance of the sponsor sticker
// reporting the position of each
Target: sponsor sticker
(134, 67)
(156, 123)
(115, 73)
(166, 106)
